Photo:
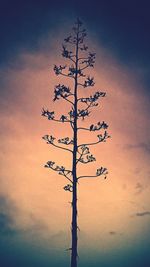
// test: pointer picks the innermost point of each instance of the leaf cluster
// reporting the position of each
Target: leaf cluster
(61, 91)
(87, 159)
(102, 171)
(65, 141)
(99, 126)
(49, 114)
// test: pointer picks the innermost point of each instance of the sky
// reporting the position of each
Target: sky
(114, 213)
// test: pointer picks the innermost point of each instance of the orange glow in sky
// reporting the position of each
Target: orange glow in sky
(105, 206)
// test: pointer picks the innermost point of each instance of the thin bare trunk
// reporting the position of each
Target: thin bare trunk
(74, 253)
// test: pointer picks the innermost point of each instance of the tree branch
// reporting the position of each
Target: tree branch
(66, 141)
(82, 128)
(50, 140)
(51, 116)
(83, 58)
(72, 59)
(62, 121)
(99, 172)
(102, 138)
(87, 159)
(81, 84)
(67, 99)
(66, 75)
(62, 148)
(85, 67)
(81, 154)
(58, 71)
(61, 170)
(98, 127)
(84, 151)
(87, 176)
(94, 143)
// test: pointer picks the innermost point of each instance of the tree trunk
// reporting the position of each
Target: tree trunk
(74, 252)
(74, 225)
(74, 193)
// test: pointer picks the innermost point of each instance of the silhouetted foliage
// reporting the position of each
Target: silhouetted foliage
(76, 52)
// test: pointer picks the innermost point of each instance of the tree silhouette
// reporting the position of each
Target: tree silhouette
(79, 59)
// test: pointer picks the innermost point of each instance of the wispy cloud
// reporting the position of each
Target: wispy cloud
(144, 213)
(112, 233)
(144, 146)
(139, 188)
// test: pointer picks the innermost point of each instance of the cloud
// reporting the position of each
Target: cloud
(7, 207)
(144, 146)
(9, 225)
(137, 170)
(6, 225)
(139, 188)
(140, 214)
(112, 233)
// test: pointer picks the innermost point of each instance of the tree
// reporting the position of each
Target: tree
(76, 52)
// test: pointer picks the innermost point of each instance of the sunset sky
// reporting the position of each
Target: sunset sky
(35, 213)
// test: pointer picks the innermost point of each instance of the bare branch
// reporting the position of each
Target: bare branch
(101, 138)
(67, 75)
(85, 67)
(67, 54)
(83, 48)
(88, 82)
(84, 151)
(58, 71)
(99, 172)
(60, 169)
(51, 116)
(98, 127)
(81, 84)
(82, 58)
(50, 140)
(92, 98)
(81, 113)
(89, 61)
(73, 71)
(86, 176)
(68, 39)
(66, 141)
(62, 120)
(63, 148)
(87, 159)
(67, 100)
(62, 91)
